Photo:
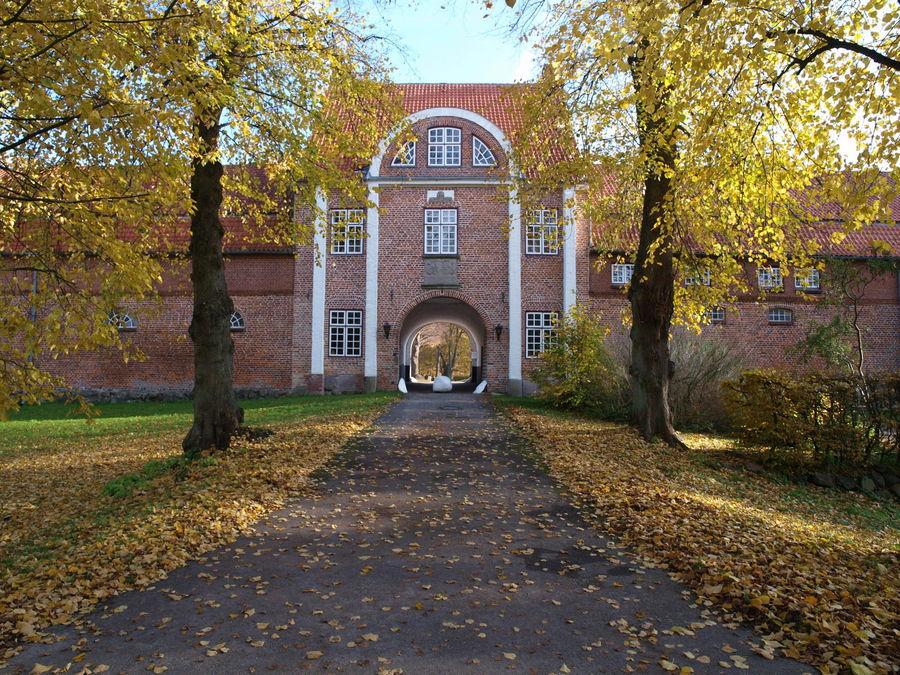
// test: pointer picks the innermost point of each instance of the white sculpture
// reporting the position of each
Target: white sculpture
(481, 387)
(401, 385)
(442, 383)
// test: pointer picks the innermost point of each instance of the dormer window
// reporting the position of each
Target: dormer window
(481, 153)
(406, 155)
(444, 146)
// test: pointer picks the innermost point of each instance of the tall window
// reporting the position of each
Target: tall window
(621, 273)
(806, 280)
(345, 332)
(541, 232)
(444, 146)
(440, 231)
(481, 153)
(406, 155)
(347, 231)
(540, 332)
(769, 277)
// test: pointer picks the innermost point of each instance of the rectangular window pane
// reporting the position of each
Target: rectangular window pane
(540, 332)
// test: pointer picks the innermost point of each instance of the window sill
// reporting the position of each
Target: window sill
(441, 255)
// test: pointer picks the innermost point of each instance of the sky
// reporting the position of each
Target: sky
(452, 41)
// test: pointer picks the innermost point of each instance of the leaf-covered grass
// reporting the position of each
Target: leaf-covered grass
(818, 571)
(91, 509)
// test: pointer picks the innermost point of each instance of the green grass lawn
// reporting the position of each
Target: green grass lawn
(40, 426)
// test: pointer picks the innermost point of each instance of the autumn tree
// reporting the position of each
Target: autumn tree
(127, 128)
(708, 133)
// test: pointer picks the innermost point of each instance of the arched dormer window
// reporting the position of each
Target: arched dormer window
(444, 145)
(406, 155)
(481, 153)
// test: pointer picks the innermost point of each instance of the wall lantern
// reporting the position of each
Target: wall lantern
(498, 331)
(387, 330)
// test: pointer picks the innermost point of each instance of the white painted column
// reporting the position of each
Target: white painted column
(317, 353)
(569, 250)
(515, 295)
(371, 338)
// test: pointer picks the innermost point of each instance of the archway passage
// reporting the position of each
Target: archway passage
(441, 349)
(439, 322)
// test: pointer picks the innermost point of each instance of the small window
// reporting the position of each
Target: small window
(781, 315)
(540, 332)
(481, 153)
(444, 145)
(715, 315)
(347, 227)
(440, 231)
(345, 332)
(698, 278)
(406, 155)
(807, 280)
(236, 322)
(541, 232)
(769, 277)
(621, 273)
(121, 319)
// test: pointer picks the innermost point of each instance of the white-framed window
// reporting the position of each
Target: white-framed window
(347, 226)
(481, 153)
(345, 332)
(806, 280)
(621, 273)
(701, 277)
(236, 321)
(406, 155)
(768, 277)
(121, 319)
(715, 315)
(541, 232)
(444, 145)
(440, 231)
(540, 332)
(780, 315)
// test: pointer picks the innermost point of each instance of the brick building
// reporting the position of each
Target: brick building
(444, 240)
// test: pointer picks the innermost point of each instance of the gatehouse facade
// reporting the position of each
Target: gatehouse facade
(443, 238)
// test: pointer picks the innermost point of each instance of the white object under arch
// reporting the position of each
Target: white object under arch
(461, 113)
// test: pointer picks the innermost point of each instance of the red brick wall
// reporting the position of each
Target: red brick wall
(747, 325)
(262, 357)
(482, 272)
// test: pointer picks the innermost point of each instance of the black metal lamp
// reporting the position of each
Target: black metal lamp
(498, 331)
(387, 329)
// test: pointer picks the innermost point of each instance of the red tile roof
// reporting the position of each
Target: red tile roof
(492, 101)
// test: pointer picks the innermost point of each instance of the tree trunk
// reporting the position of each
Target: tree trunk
(216, 413)
(652, 296)
(652, 288)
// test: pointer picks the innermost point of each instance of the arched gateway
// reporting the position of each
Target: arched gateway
(444, 309)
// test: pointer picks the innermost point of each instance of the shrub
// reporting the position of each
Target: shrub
(576, 371)
(817, 418)
(702, 363)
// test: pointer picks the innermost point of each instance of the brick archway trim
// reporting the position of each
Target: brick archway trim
(456, 295)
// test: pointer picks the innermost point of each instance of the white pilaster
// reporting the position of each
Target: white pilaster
(317, 355)
(515, 294)
(569, 250)
(371, 341)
